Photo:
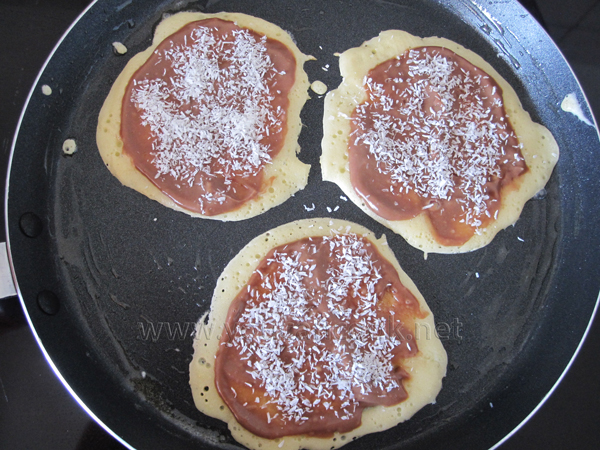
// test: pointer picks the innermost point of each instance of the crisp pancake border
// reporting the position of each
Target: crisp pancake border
(287, 172)
(427, 368)
(540, 149)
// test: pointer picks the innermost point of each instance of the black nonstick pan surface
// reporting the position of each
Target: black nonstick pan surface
(113, 282)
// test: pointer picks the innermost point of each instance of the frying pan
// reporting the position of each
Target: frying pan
(112, 282)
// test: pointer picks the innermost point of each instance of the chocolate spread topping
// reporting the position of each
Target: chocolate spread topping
(205, 113)
(433, 137)
(320, 332)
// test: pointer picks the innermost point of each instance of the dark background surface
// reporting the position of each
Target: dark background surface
(37, 412)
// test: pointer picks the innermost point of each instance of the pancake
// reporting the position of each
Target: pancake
(428, 139)
(208, 130)
(270, 396)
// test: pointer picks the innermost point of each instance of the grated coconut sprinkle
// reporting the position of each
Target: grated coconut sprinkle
(262, 335)
(212, 114)
(457, 148)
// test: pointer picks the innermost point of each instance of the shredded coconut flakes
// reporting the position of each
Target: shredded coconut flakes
(428, 151)
(262, 333)
(214, 111)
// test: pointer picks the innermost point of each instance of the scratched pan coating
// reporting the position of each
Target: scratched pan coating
(132, 277)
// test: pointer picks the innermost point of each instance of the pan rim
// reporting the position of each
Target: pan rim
(558, 381)
(32, 327)
(47, 356)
